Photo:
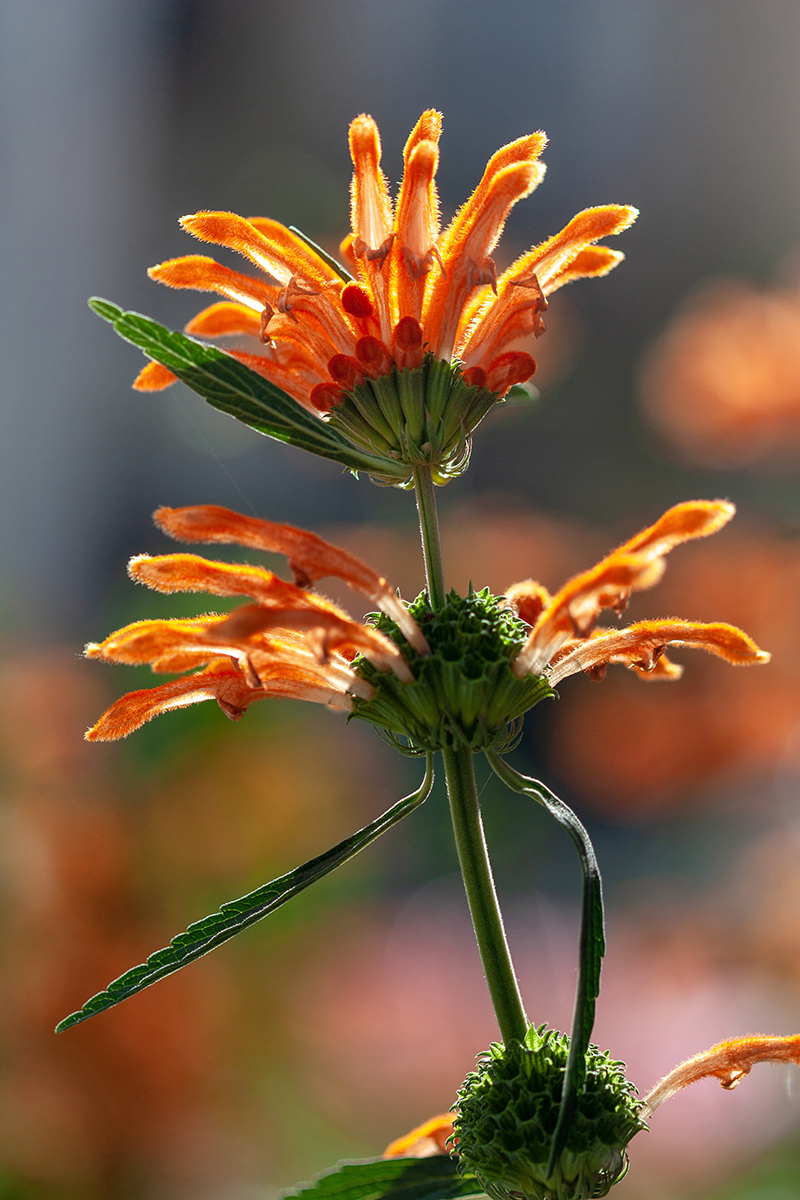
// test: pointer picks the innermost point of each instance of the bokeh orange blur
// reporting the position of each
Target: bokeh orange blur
(722, 382)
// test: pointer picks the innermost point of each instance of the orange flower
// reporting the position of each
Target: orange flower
(321, 333)
(290, 642)
(563, 641)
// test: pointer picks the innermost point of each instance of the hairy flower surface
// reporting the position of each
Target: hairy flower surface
(406, 348)
(728, 1062)
(460, 675)
(290, 643)
(563, 640)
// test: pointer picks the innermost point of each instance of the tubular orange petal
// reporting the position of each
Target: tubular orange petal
(371, 217)
(634, 566)
(426, 1140)
(524, 150)
(466, 262)
(154, 378)
(528, 600)
(728, 1062)
(551, 257)
(192, 573)
(310, 557)
(591, 263)
(202, 274)
(371, 205)
(681, 523)
(270, 246)
(641, 645)
(223, 318)
(415, 250)
(491, 322)
(155, 640)
(427, 129)
(576, 607)
(326, 630)
(228, 687)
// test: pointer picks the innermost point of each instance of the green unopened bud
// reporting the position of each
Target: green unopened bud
(507, 1112)
(420, 415)
(464, 692)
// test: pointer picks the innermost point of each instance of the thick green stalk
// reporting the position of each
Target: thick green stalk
(429, 530)
(465, 812)
(476, 871)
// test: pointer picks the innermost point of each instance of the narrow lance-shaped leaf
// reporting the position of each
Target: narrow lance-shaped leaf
(234, 389)
(323, 254)
(434, 1178)
(236, 915)
(592, 942)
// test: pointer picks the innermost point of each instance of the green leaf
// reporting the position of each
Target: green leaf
(434, 1178)
(236, 915)
(234, 389)
(592, 942)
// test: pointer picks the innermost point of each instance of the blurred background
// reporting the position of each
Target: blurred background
(354, 1014)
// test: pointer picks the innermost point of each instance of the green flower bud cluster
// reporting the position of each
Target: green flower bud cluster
(507, 1112)
(422, 415)
(464, 692)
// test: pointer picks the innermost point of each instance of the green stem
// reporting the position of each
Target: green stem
(476, 871)
(429, 530)
(465, 811)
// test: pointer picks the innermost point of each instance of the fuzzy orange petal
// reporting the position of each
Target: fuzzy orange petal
(681, 523)
(426, 1140)
(466, 262)
(271, 246)
(728, 1062)
(642, 644)
(325, 630)
(228, 687)
(524, 150)
(591, 263)
(528, 600)
(371, 205)
(310, 556)
(154, 641)
(489, 323)
(636, 565)
(154, 378)
(223, 318)
(575, 608)
(191, 573)
(414, 251)
(202, 274)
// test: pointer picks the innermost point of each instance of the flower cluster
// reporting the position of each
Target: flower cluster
(460, 676)
(407, 347)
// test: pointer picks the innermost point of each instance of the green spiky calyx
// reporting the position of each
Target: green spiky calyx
(423, 415)
(507, 1112)
(465, 692)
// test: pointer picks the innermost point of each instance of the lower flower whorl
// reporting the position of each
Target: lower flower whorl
(465, 692)
(507, 1112)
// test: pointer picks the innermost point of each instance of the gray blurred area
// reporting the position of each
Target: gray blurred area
(119, 117)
